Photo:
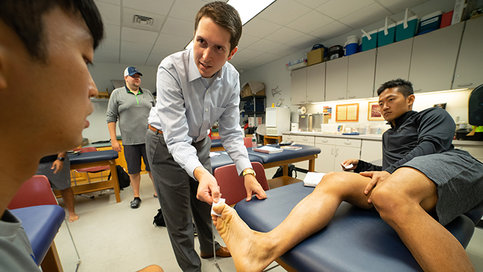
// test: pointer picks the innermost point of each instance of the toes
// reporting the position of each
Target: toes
(219, 208)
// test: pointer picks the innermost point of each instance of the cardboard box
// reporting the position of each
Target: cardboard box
(315, 56)
(247, 91)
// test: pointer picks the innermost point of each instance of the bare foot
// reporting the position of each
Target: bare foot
(251, 250)
(73, 217)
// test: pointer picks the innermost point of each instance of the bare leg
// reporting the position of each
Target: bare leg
(152, 180)
(253, 251)
(68, 196)
(152, 268)
(135, 182)
(433, 247)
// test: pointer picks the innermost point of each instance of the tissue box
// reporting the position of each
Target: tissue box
(408, 32)
(367, 44)
(315, 56)
(383, 39)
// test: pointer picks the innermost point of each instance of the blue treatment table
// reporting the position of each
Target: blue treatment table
(41, 224)
(223, 159)
(96, 158)
(355, 239)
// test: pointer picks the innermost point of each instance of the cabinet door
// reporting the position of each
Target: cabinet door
(360, 74)
(316, 83)
(343, 153)
(371, 151)
(299, 86)
(336, 79)
(434, 58)
(325, 161)
(393, 62)
(469, 70)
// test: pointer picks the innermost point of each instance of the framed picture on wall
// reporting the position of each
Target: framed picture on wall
(373, 112)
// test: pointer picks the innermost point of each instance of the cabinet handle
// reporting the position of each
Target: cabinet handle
(340, 97)
(418, 90)
(352, 96)
(465, 85)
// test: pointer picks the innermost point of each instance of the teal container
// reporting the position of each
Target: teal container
(384, 38)
(368, 44)
(402, 32)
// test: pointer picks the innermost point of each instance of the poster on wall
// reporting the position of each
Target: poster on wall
(347, 112)
(373, 112)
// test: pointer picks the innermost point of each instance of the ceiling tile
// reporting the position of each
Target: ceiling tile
(178, 27)
(310, 22)
(288, 36)
(142, 37)
(330, 30)
(312, 3)
(341, 8)
(246, 40)
(111, 14)
(365, 16)
(115, 2)
(260, 28)
(152, 6)
(128, 14)
(283, 12)
(186, 9)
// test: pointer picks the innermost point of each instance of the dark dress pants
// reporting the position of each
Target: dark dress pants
(177, 197)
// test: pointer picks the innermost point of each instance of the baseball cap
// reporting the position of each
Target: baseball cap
(131, 71)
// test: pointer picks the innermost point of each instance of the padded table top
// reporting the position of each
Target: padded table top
(286, 154)
(41, 224)
(355, 239)
(223, 159)
(94, 156)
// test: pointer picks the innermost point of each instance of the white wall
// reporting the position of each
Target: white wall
(102, 74)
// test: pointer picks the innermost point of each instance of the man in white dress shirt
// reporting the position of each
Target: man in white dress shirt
(196, 88)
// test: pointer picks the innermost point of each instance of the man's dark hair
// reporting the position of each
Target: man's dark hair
(25, 18)
(225, 16)
(403, 86)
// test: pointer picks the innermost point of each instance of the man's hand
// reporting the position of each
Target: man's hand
(253, 187)
(354, 163)
(376, 177)
(116, 146)
(208, 189)
(57, 166)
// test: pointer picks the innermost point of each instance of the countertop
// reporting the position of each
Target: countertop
(373, 137)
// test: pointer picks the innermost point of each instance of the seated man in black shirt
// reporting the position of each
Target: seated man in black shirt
(421, 174)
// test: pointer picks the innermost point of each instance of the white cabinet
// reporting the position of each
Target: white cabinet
(316, 82)
(393, 62)
(469, 70)
(303, 140)
(336, 79)
(433, 59)
(360, 75)
(371, 151)
(334, 151)
(298, 91)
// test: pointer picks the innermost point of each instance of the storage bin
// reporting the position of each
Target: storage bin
(335, 52)
(386, 35)
(430, 22)
(351, 46)
(406, 29)
(315, 56)
(369, 40)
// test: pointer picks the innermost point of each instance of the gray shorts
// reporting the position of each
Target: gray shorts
(59, 181)
(458, 177)
(133, 154)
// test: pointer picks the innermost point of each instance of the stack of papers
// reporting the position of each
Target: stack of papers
(291, 147)
(313, 178)
(268, 149)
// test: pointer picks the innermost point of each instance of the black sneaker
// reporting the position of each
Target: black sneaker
(135, 203)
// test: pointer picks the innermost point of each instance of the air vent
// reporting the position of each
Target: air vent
(142, 20)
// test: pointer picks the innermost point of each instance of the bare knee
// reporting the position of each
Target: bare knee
(393, 206)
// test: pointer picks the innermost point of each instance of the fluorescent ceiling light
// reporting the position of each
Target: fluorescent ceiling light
(247, 10)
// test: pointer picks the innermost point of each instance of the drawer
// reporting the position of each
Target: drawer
(348, 142)
(305, 140)
(326, 140)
